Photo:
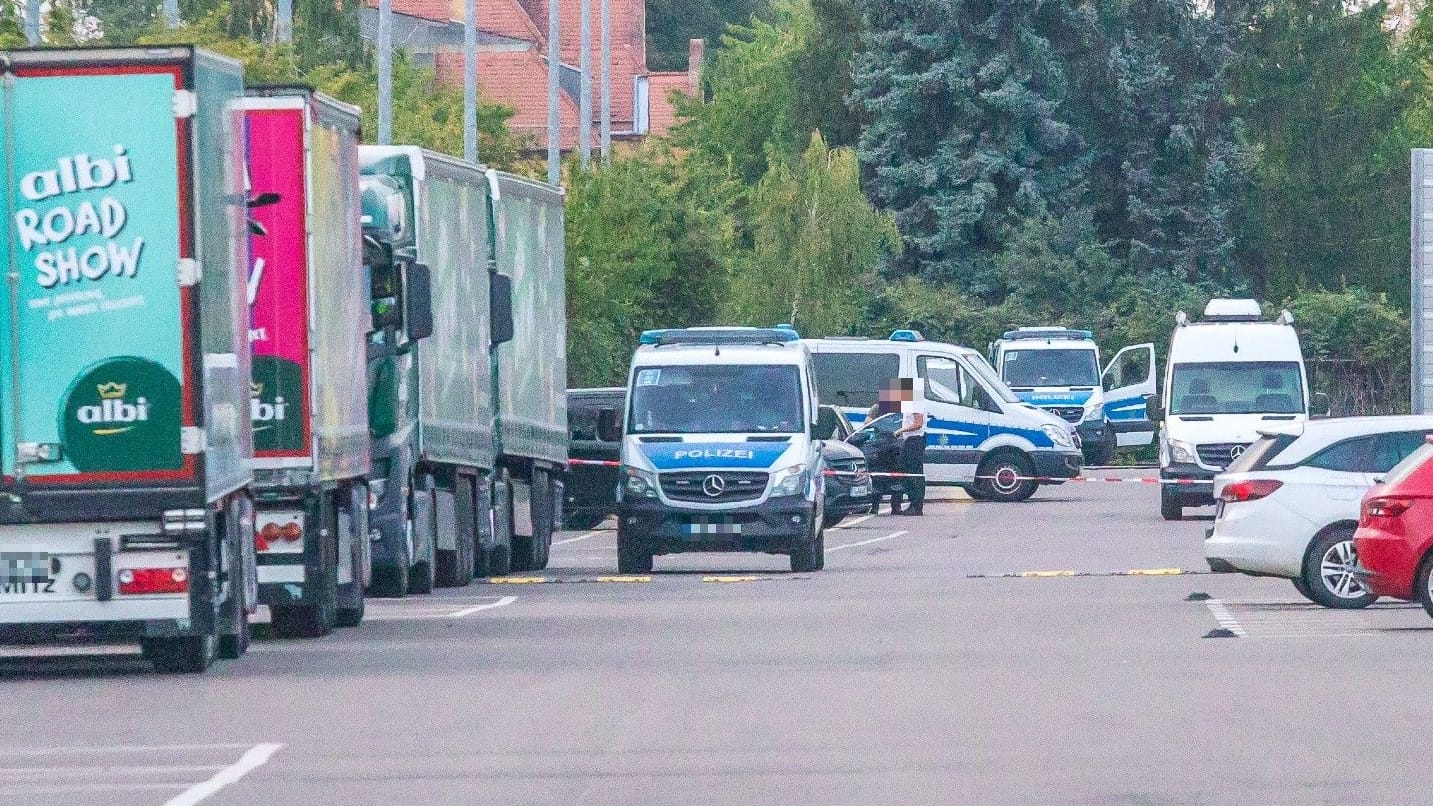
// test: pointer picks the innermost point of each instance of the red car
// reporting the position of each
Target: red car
(1395, 532)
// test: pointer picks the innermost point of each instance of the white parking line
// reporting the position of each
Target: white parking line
(468, 611)
(255, 758)
(1222, 615)
(854, 522)
(567, 540)
(115, 748)
(891, 536)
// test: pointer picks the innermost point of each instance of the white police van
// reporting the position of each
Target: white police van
(1228, 376)
(1058, 369)
(717, 452)
(979, 435)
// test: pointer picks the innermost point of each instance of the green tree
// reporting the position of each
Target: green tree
(1324, 93)
(672, 23)
(815, 231)
(123, 21)
(821, 74)
(12, 31)
(967, 134)
(60, 22)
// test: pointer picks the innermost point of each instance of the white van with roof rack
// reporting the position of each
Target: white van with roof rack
(718, 451)
(1059, 369)
(979, 435)
(1227, 377)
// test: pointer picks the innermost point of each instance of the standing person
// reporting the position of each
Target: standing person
(912, 436)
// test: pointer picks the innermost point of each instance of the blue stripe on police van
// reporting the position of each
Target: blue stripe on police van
(691, 455)
(1127, 409)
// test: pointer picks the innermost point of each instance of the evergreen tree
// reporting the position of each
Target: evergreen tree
(968, 133)
(12, 31)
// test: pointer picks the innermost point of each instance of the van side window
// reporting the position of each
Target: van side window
(948, 382)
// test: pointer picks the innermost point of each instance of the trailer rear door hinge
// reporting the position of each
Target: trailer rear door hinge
(185, 104)
(191, 440)
(188, 272)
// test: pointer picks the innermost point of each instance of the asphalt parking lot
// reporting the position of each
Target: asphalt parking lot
(1046, 652)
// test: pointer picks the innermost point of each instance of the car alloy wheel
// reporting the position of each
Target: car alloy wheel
(1336, 571)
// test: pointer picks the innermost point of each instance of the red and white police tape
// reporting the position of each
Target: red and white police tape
(1004, 477)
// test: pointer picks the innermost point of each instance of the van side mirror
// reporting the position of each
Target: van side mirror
(419, 301)
(1153, 411)
(825, 423)
(502, 322)
(1319, 405)
(609, 425)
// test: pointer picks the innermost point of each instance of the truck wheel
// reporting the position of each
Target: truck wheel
(302, 621)
(500, 557)
(351, 616)
(1006, 477)
(1169, 507)
(390, 581)
(810, 555)
(351, 597)
(234, 645)
(544, 517)
(632, 556)
(187, 655)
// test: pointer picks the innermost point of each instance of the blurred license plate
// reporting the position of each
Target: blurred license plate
(859, 490)
(25, 572)
(712, 528)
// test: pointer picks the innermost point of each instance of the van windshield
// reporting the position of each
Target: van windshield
(716, 399)
(1075, 367)
(1237, 387)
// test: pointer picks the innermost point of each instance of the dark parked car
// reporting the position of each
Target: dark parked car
(591, 489)
(877, 442)
(848, 489)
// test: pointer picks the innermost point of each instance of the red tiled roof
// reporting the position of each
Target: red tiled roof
(629, 50)
(517, 79)
(505, 17)
(661, 113)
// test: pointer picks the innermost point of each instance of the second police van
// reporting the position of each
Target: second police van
(718, 451)
(979, 435)
(1058, 369)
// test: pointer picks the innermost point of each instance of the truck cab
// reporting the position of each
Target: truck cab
(718, 451)
(979, 436)
(1059, 370)
(1228, 376)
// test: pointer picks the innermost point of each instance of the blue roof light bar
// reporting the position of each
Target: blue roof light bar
(907, 335)
(719, 336)
(1048, 333)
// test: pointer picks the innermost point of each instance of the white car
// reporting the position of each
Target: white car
(1289, 505)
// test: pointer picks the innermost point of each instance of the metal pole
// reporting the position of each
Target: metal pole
(284, 21)
(171, 13)
(606, 112)
(385, 72)
(554, 67)
(1421, 308)
(32, 21)
(584, 131)
(470, 81)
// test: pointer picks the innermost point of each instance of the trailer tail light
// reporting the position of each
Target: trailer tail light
(272, 533)
(1385, 507)
(135, 581)
(1249, 490)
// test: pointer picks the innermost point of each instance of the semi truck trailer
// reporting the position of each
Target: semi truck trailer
(125, 510)
(308, 329)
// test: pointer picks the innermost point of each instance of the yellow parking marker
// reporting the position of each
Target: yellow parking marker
(517, 580)
(733, 579)
(624, 579)
(1156, 572)
(1047, 573)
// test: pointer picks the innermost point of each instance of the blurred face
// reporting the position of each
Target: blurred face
(893, 394)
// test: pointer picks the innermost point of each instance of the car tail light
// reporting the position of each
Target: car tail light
(1386, 507)
(271, 533)
(1249, 490)
(153, 580)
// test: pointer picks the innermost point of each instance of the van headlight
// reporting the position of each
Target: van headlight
(1093, 411)
(789, 481)
(1058, 435)
(640, 483)
(1183, 452)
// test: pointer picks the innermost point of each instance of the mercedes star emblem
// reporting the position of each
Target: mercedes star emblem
(1236, 451)
(713, 485)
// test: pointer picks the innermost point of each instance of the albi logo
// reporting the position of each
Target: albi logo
(261, 412)
(113, 414)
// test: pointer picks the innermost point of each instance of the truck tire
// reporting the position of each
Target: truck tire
(632, 556)
(810, 555)
(233, 645)
(1005, 476)
(187, 655)
(422, 576)
(390, 581)
(351, 604)
(500, 557)
(544, 517)
(1169, 507)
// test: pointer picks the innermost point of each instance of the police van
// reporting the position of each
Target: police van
(718, 451)
(979, 434)
(1059, 369)
(1228, 376)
